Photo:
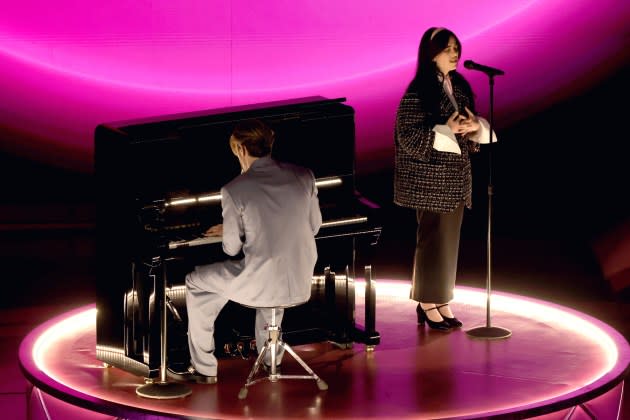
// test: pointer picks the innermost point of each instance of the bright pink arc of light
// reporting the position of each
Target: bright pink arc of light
(66, 66)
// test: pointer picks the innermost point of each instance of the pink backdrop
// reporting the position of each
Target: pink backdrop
(66, 66)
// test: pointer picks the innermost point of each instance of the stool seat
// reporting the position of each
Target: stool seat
(272, 345)
(286, 306)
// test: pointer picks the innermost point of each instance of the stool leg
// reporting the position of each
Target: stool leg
(320, 382)
(243, 392)
(273, 348)
(273, 344)
(259, 361)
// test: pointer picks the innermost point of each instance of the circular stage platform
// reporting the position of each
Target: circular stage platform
(555, 361)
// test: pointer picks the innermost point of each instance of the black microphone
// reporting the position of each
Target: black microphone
(490, 71)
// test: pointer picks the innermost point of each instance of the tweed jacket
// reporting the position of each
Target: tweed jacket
(425, 178)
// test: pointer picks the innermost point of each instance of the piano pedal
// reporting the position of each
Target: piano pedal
(172, 309)
(240, 349)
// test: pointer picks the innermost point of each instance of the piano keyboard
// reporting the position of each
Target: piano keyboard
(207, 240)
(202, 240)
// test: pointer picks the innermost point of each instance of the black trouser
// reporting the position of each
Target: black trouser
(435, 261)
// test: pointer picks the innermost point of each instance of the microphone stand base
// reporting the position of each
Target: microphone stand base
(163, 390)
(489, 333)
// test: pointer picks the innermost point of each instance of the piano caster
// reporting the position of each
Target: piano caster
(342, 346)
(148, 380)
(106, 365)
(370, 348)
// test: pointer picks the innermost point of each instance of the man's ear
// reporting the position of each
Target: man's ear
(234, 147)
(243, 149)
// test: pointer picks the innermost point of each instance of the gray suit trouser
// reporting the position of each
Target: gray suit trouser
(203, 303)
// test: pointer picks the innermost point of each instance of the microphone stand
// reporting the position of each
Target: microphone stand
(489, 332)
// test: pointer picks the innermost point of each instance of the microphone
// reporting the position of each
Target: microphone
(490, 71)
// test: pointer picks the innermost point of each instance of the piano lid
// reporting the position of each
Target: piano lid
(188, 154)
(283, 107)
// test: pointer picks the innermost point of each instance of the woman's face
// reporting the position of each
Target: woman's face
(447, 59)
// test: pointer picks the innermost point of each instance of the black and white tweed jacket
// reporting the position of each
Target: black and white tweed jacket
(425, 178)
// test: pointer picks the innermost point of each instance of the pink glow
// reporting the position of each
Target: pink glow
(67, 66)
(43, 356)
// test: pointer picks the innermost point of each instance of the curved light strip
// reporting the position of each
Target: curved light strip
(44, 42)
(565, 318)
(66, 327)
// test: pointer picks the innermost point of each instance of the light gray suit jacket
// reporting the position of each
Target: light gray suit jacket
(271, 213)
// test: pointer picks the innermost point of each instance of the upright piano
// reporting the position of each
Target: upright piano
(158, 189)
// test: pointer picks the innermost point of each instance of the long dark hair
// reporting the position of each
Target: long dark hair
(426, 82)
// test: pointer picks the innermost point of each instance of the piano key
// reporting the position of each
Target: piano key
(204, 240)
(207, 240)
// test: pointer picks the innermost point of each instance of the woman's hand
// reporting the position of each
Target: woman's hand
(470, 123)
(454, 123)
(463, 124)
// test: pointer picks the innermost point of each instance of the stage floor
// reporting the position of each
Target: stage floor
(557, 362)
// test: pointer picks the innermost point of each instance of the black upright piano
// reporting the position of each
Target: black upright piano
(158, 188)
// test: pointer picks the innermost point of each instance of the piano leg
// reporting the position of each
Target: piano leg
(372, 336)
(162, 389)
(368, 333)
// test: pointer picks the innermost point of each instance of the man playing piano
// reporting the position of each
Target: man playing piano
(271, 214)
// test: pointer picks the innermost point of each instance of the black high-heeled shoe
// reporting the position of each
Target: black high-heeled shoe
(452, 322)
(435, 325)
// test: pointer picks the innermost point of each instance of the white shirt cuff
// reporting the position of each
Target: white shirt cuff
(482, 136)
(445, 140)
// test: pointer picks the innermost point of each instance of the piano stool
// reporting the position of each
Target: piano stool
(272, 344)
